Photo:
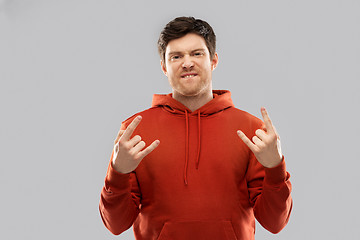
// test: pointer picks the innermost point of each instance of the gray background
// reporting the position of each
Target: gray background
(71, 71)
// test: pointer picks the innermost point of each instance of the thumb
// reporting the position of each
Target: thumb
(120, 133)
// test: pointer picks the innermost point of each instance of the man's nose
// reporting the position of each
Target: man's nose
(188, 62)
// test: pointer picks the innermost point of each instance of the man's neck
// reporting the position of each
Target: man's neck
(194, 102)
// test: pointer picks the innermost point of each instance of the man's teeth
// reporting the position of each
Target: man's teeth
(187, 76)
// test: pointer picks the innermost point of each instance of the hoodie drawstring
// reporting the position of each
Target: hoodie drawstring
(199, 141)
(187, 145)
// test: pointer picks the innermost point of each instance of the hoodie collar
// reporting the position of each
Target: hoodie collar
(221, 101)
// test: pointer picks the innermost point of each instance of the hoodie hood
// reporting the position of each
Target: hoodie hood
(221, 101)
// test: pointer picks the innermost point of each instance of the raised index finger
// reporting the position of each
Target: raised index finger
(130, 129)
(268, 124)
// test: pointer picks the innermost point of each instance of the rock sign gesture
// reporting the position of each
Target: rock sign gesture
(265, 144)
(128, 152)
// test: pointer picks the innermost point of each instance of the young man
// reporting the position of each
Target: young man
(200, 177)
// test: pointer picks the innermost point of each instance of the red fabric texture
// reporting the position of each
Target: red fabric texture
(201, 182)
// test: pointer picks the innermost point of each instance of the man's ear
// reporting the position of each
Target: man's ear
(163, 67)
(214, 61)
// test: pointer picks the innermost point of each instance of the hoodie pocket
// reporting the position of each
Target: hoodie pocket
(197, 230)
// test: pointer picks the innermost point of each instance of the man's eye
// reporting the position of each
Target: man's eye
(175, 57)
(198, 54)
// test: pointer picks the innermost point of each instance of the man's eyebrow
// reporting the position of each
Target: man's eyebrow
(174, 53)
(199, 49)
(179, 52)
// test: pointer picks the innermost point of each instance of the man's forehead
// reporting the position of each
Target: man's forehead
(188, 43)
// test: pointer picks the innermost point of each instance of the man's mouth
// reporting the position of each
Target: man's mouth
(188, 75)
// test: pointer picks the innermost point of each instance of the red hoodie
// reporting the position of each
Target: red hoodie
(201, 182)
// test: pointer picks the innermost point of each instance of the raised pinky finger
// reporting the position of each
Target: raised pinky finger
(246, 140)
(149, 149)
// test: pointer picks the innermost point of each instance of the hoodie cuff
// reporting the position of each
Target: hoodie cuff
(118, 180)
(277, 174)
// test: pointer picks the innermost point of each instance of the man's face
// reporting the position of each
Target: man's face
(188, 65)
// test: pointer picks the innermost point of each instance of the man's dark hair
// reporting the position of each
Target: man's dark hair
(181, 26)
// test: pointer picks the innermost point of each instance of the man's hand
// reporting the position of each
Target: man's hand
(128, 152)
(266, 144)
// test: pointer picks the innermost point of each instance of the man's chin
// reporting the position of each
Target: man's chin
(191, 93)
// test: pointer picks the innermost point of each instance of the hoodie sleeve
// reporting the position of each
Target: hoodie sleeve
(269, 190)
(119, 200)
